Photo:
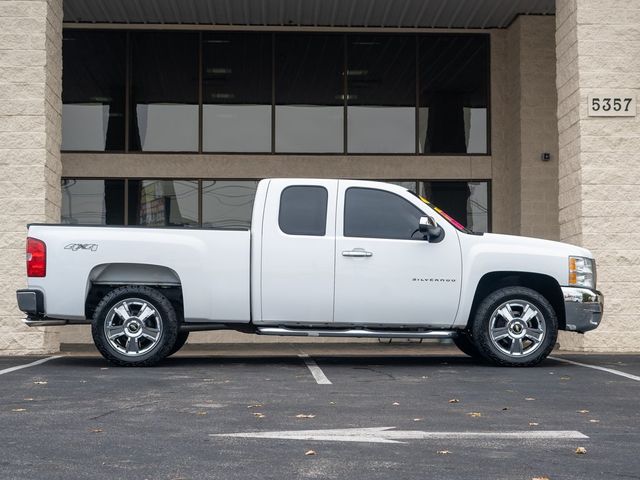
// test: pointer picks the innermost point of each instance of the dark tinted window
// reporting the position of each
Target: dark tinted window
(379, 214)
(164, 91)
(454, 98)
(236, 115)
(303, 210)
(93, 90)
(309, 93)
(381, 93)
(92, 202)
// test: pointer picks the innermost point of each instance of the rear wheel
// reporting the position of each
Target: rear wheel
(515, 326)
(181, 339)
(134, 326)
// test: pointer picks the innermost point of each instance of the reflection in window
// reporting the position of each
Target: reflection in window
(228, 203)
(158, 203)
(303, 210)
(381, 94)
(164, 92)
(466, 202)
(309, 93)
(453, 87)
(236, 114)
(93, 96)
(92, 202)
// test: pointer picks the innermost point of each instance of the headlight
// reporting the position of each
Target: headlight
(582, 272)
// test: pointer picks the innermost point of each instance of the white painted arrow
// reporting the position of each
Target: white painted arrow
(388, 435)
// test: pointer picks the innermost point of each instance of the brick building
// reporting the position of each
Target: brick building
(113, 111)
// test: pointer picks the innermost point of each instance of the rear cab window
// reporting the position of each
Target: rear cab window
(303, 210)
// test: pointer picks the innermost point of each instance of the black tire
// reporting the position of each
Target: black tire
(465, 343)
(114, 314)
(544, 321)
(181, 339)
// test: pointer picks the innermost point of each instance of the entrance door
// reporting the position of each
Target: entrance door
(386, 273)
(298, 251)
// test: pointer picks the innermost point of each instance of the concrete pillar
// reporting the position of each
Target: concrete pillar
(599, 178)
(30, 136)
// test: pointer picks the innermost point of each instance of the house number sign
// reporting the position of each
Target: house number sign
(612, 104)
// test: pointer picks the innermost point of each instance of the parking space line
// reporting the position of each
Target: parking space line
(596, 367)
(316, 371)
(32, 364)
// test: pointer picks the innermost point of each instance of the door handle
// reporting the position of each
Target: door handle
(356, 252)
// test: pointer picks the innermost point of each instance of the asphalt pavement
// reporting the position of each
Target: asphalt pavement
(264, 412)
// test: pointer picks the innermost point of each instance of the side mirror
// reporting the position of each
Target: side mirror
(433, 233)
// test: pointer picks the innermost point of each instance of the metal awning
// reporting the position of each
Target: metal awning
(318, 13)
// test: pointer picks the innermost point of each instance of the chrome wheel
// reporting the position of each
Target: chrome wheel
(133, 327)
(517, 328)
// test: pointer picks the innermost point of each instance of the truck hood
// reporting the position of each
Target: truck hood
(538, 244)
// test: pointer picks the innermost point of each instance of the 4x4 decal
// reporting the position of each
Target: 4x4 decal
(74, 247)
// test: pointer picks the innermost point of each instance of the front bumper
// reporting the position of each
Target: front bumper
(583, 308)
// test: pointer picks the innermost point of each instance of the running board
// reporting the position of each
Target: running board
(355, 332)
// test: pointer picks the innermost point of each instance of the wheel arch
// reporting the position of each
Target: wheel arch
(107, 276)
(545, 285)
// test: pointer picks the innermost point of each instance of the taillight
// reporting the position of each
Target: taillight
(36, 258)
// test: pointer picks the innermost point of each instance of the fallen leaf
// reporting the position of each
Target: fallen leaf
(256, 405)
(443, 452)
(540, 478)
(201, 413)
(583, 411)
(565, 378)
(305, 415)
(18, 409)
(533, 424)
(395, 404)
(454, 400)
(424, 376)
(418, 419)
(310, 452)
(474, 414)
(259, 415)
(96, 430)
(505, 408)
(332, 403)
(29, 399)
(40, 382)
(529, 399)
(593, 420)
(581, 451)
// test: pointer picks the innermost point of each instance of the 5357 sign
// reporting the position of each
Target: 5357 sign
(612, 104)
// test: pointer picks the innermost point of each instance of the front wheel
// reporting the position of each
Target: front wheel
(515, 327)
(134, 326)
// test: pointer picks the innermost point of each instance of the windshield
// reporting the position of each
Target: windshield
(443, 214)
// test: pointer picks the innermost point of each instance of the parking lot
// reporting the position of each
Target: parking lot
(365, 411)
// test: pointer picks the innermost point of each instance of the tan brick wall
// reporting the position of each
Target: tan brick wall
(597, 48)
(30, 135)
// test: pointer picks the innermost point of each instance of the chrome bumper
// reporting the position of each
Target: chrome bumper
(583, 308)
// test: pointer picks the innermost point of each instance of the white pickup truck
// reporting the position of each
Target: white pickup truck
(338, 258)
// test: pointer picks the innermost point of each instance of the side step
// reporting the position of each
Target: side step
(355, 332)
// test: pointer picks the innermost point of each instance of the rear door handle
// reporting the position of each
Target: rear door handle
(356, 252)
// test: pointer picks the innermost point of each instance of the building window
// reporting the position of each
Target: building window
(279, 92)
(164, 92)
(93, 97)
(381, 94)
(309, 99)
(236, 111)
(228, 203)
(159, 203)
(453, 94)
(92, 202)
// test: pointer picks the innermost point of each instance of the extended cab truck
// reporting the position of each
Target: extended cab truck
(337, 258)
